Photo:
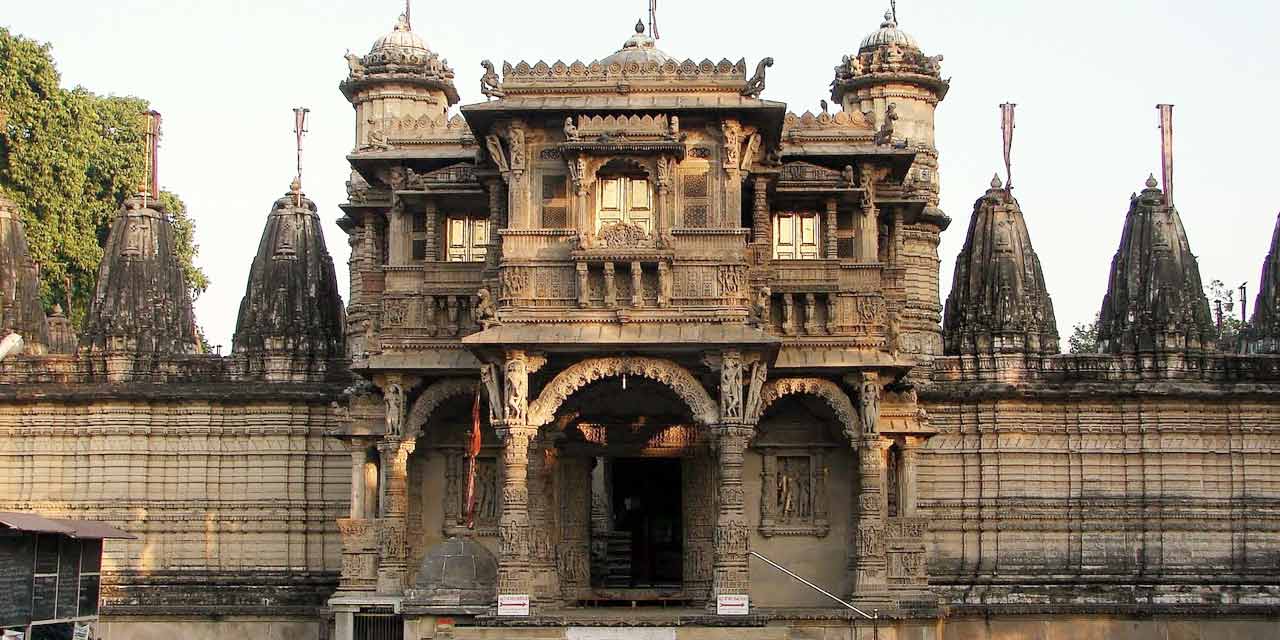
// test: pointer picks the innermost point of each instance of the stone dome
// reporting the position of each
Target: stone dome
(402, 41)
(458, 572)
(889, 34)
(640, 49)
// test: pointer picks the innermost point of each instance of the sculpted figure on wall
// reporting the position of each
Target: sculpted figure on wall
(486, 310)
(755, 86)
(393, 394)
(755, 391)
(885, 134)
(570, 130)
(760, 308)
(490, 84)
(869, 403)
(517, 389)
(489, 379)
(731, 385)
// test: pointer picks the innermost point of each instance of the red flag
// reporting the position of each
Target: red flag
(473, 451)
(1007, 125)
(1166, 150)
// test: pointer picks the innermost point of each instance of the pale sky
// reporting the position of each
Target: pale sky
(1086, 76)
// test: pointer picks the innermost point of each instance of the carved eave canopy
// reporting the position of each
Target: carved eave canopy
(352, 86)
(380, 168)
(840, 86)
(766, 115)
(658, 338)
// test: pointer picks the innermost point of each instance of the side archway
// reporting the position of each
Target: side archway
(435, 395)
(826, 390)
(543, 410)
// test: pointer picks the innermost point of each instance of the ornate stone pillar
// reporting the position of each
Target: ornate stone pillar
(909, 487)
(497, 221)
(359, 457)
(869, 224)
(395, 507)
(514, 572)
(514, 568)
(429, 222)
(867, 558)
(399, 226)
(637, 285)
(732, 575)
(763, 235)
(833, 211)
(573, 552)
(543, 532)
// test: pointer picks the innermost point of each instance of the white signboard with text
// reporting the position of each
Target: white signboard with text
(733, 605)
(513, 605)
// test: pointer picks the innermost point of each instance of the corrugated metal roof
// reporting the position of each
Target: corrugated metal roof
(86, 529)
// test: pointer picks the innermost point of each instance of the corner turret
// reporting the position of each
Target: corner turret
(290, 326)
(400, 85)
(142, 304)
(998, 301)
(1155, 301)
(20, 310)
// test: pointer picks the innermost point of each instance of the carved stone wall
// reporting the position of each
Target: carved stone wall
(1173, 492)
(227, 497)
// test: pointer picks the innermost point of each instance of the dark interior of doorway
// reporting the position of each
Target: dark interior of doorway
(646, 548)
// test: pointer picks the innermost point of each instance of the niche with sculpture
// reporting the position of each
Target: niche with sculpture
(797, 444)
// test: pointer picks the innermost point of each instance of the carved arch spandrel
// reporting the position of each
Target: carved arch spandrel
(826, 390)
(543, 410)
(435, 395)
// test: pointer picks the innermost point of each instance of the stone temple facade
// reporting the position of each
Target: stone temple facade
(697, 331)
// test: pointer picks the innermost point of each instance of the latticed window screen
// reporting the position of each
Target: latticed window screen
(555, 202)
(696, 191)
(468, 238)
(796, 236)
(378, 627)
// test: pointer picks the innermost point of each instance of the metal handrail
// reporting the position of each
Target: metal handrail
(817, 588)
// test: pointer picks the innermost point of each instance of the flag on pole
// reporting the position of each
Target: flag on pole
(473, 451)
(1166, 150)
(653, 19)
(1007, 125)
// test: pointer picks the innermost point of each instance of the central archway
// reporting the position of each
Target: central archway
(542, 411)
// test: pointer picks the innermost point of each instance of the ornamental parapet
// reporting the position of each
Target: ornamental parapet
(543, 77)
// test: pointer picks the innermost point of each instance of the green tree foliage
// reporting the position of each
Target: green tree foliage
(1084, 337)
(68, 158)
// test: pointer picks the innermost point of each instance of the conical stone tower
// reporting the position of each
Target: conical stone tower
(142, 304)
(291, 318)
(20, 309)
(1263, 334)
(1155, 301)
(998, 301)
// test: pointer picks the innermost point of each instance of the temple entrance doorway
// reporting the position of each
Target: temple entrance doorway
(643, 549)
(636, 494)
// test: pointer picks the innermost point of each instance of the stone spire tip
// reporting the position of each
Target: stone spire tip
(1151, 181)
(996, 183)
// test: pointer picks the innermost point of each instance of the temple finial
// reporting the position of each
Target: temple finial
(995, 182)
(299, 130)
(1152, 183)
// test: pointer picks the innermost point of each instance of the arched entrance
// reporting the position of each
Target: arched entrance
(634, 484)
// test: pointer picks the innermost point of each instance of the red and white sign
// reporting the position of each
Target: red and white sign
(513, 605)
(733, 605)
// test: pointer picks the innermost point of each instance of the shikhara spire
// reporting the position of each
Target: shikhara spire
(1155, 301)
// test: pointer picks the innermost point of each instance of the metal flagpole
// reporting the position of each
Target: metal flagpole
(408, 13)
(299, 130)
(893, 8)
(653, 19)
(1166, 150)
(1006, 124)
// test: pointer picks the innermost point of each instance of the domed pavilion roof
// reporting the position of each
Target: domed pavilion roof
(640, 49)
(402, 41)
(888, 34)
